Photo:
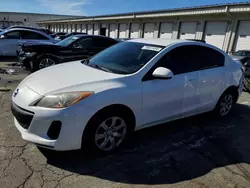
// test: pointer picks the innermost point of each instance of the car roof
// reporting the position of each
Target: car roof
(78, 35)
(25, 29)
(92, 36)
(159, 41)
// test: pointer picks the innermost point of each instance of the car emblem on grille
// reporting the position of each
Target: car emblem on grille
(16, 92)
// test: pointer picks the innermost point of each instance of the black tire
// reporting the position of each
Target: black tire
(226, 97)
(247, 84)
(32, 66)
(89, 136)
(35, 66)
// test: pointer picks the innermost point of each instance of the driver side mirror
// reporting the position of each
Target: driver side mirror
(2, 37)
(162, 73)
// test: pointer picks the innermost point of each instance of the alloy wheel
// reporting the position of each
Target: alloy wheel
(110, 133)
(226, 104)
(46, 62)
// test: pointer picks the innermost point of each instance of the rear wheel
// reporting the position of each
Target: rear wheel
(225, 103)
(46, 62)
(246, 82)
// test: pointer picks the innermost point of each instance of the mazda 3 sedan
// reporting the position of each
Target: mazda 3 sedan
(99, 102)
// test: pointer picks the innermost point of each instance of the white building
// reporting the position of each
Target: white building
(226, 26)
(27, 19)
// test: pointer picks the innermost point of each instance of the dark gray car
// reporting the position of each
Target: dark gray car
(242, 55)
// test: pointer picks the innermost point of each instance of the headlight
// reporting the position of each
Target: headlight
(62, 100)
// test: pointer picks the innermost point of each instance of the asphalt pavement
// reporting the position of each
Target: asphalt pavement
(201, 151)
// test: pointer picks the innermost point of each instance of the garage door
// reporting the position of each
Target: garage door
(112, 30)
(57, 28)
(215, 33)
(84, 28)
(90, 29)
(188, 30)
(96, 29)
(166, 30)
(242, 41)
(73, 27)
(122, 30)
(148, 30)
(69, 28)
(134, 31)
(65, 28)
(79, 27)
(62, 28)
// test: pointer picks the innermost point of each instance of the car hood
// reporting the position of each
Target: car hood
(36, 47)
(30, 42)
(72, 76)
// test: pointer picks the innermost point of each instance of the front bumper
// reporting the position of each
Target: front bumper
(73, 121)
(25, 61)
(30, 137)
(35, 123)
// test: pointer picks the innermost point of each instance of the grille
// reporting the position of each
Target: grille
(24, 117)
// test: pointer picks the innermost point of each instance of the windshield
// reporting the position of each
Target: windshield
(67, 41)
(125, 57)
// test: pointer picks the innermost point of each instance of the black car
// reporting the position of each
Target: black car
(242, 55)
(77, 47)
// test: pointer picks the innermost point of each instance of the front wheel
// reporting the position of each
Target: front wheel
(41, 63)
(107, 132)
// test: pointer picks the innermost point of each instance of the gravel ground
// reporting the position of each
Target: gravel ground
(195, 152)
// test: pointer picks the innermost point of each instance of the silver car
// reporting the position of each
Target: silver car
(11, 38)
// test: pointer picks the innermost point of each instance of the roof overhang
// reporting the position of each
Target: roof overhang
(202, 10)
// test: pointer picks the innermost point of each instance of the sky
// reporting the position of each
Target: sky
(98, 7)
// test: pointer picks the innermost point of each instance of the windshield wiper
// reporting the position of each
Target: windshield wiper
(101, 68)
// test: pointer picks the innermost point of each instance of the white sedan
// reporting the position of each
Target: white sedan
(135, 84)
